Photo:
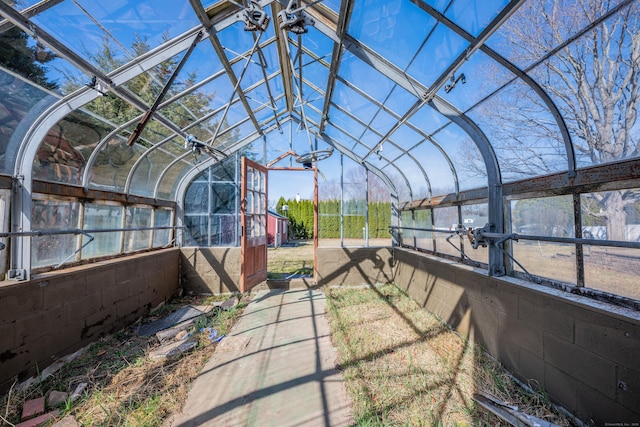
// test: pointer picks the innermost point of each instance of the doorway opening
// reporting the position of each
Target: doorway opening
(292, 223)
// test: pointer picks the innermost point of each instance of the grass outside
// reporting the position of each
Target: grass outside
(125, 386)
(295, 258)
(404, 367)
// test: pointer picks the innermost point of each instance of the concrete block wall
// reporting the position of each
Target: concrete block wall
(213, 270)
(585, 354)
(56, 313)
(354, 266)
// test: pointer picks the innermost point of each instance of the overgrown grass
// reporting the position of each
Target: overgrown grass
(403, 367)
(125, 386)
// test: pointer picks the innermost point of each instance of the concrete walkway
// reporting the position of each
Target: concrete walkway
(276, 368)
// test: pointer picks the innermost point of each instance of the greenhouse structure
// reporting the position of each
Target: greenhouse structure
(483, 156)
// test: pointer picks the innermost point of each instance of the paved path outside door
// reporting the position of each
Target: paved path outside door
(276, 368)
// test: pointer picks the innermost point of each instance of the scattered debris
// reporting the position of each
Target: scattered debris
(213, 334)
(168, 334)
(32, 407)
(230, 303)
(56, 398)
(78, 391)
(173, 349)
(180, 315)
(181, 335)
(509, 413)
(37, 421)
(49, 370)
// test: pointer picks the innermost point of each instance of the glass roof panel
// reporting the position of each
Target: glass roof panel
(538, 27)
(442, 48)
(168, 186)
(428, 120)
(237, 41)
(383, 122)
(314, 71)
(364, 77)
(463, 153)
(440, 5)
(345, 121)
(474, 16)
(20, 103)
(382, 26)
(407, 137)
(146, 175)
(202, 63)
(524, 134)
(113, 163)
(400, 180)
(63, 153)
(593, 94)
(26, 57)
(399, 101)
(436, 166)
(482, 76)
(352, 102)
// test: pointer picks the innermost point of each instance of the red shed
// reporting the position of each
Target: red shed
(277, 226)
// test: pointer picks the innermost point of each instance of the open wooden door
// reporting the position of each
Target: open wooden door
(253, 214)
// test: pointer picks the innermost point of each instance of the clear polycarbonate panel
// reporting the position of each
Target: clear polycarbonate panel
(383, 122)
(424, 239)
(406, 237)
(464, 155)
(51, 215)
(63, 153)
(539, 27)
(436, 166)
(600, 111)
(399, 101)
(168, 184)
(384, 27)
(401, 185)
(237, 41)
(127, 29)
(137, 217)
(162, 218)
(315, 71)
(345, 121)
(548, 216)
(225, 171)
(406, 136)
(102, 217)
(353, 70)
(523, 133)
(203, 62)
(612, 215)
(263, 101)
(478, 77)
(223, 198)
(475, 216)
(20, 103)
(413, 173)
(428, 120)
(148, 171)
(353, 103)
(153, 133)
(113, 164)
(440, 50)
(446, 219)
(224, 230)
(474, 16)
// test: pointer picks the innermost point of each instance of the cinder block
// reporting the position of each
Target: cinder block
(58, 290)
(501, 296)
(561, 387)
(128, 270)
(112, 295)
(129, 306)
(18, 299)
(100, 277)
(597, 408)
(584, 366)
(484, 319)
(40, 323)
(628, 392)
(7, 339)
(551, 315)
(79, 309)
(531, 369)
(612, 338)
(522, 334)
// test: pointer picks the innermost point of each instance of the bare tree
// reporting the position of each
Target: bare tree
(595, 82)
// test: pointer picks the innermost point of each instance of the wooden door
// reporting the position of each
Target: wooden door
(253, 214)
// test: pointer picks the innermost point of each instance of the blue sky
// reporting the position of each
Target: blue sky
(289, 183)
